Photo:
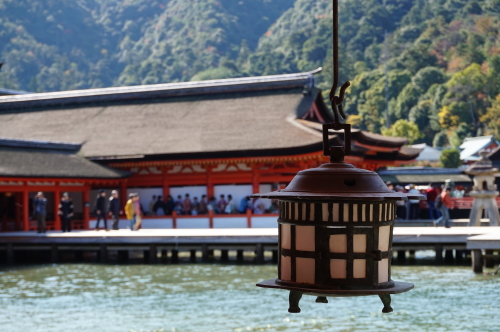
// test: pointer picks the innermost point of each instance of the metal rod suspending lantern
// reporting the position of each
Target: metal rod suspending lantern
(336, 224)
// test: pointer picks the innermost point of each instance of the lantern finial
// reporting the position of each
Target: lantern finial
(337, 153)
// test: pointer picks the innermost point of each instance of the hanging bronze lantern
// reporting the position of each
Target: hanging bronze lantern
(335, 235)
(336, 224)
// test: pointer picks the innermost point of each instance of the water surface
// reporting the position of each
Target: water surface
(213, 297)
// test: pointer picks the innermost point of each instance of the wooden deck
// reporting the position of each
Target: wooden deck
(257, 240)
(409, 238)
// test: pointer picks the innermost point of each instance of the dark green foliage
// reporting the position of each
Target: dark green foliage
(426, 77)
(440, 140)
(61, 45)
(450, 158)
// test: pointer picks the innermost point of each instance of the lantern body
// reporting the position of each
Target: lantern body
(336, 244)
(335, 235)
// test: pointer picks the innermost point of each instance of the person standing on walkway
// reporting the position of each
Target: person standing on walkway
(137, 212)
(221, 205)
(432, 194)
(195, 206)
(186, 205)
(212, 205)
(40, 211)
(203, 205)
(231, 206)
(115, 209)
(129, 211)
(414, 203)
(66, 212)
(100, 209)
(169, 205)
(445, 204)
(151, 206)
(159, 207)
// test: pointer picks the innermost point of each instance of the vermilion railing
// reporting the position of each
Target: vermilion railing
(467, 202)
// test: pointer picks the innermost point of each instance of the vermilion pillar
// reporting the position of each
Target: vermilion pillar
(86, 207)
(255, 181)
(57, 198)
(26, 211)
(123, 194)
(166, 187)
(210, 184)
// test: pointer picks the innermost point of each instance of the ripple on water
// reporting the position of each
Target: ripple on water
(224, 298)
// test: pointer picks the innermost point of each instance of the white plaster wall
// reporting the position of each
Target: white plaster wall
(193, 223)
(156, 223)
(264, 222)
(237, 222)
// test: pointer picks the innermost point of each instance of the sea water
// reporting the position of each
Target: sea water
(217, 297)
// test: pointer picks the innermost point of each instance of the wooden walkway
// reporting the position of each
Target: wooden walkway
(257, 240)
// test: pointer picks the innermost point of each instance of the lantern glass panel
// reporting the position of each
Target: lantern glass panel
(359, 243)
(359, 268)
(335, 212)
(305, 270)
(346, 212)
(338, 268)
(324, 212)
(355, 212)
(383, 270)
(338, 243)
(311, 214)
(286, 268)
(305, 238)
(384, 237)
(286, 237)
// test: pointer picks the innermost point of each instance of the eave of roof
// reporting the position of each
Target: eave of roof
(8, 92)
(155, 91)
(40, 145)
(43, 164)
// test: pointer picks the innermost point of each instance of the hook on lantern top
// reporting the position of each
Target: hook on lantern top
(337, 153)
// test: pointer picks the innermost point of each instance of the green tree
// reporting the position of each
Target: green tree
(406, 100)
(426, 77)
(404, 128)
(450, 158)
(466, 98)
(492, 118)
(440, 140)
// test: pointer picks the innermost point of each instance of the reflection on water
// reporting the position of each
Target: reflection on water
(201, 297)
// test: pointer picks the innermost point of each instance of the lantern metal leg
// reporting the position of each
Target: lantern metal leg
(321, 299)
(386, 300)
(294, 300)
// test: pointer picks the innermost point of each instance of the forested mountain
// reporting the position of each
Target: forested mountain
(440, 59)
(50, 45)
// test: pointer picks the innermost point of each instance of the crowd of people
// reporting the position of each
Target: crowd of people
(438, 201)
(133, 210)
(194, 206)
(65, 212)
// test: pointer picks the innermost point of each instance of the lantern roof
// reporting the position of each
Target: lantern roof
(339, 181)
(483, 166)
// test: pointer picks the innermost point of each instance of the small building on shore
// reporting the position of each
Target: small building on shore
(234, 136)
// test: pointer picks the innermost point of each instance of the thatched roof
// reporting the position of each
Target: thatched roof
(245, 114)
(250, 116)
(49, 160)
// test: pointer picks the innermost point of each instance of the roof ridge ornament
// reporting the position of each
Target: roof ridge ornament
(337, 153)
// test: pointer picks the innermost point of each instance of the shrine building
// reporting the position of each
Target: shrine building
(232, 136)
